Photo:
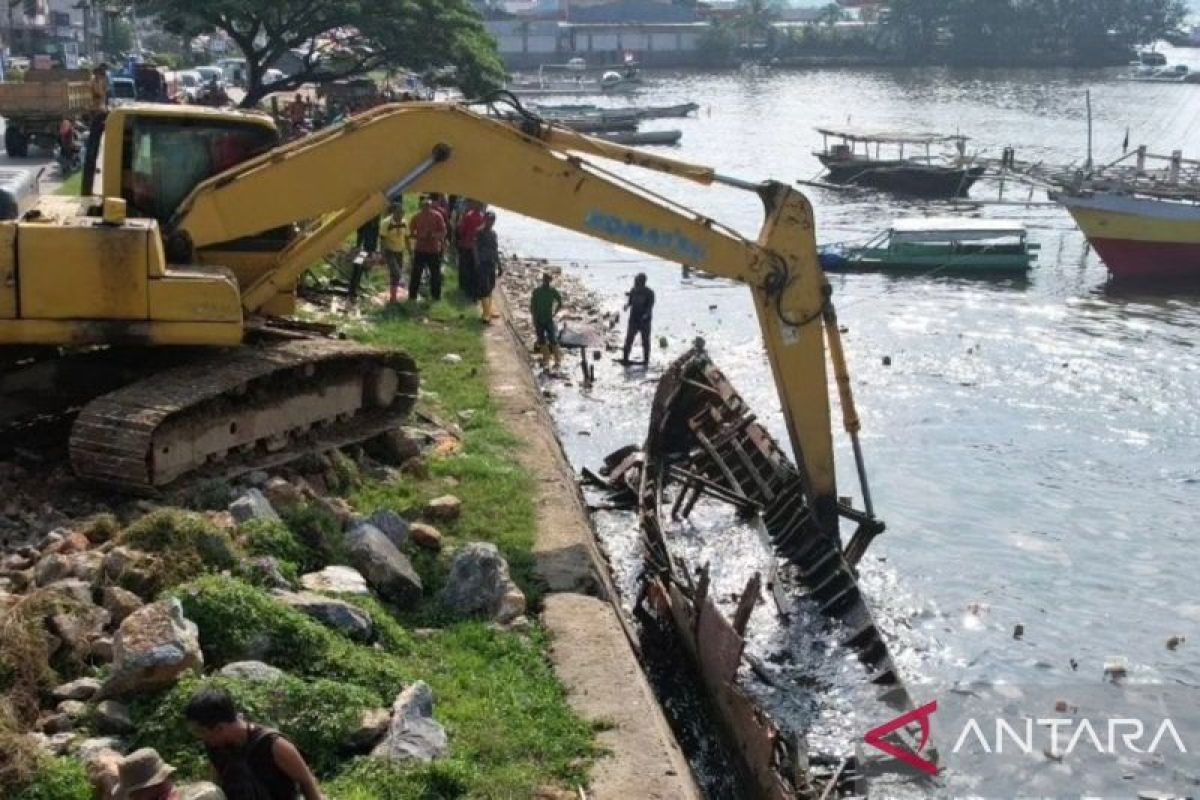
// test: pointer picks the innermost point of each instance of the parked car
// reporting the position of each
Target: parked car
(209, 74)
(187, 83)
(122, 90)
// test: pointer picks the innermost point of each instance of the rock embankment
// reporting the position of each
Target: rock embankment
(120, 607)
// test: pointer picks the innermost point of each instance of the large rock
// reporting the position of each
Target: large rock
(101, 648)
(86, 565)
(56, 745)
(103, 770)
(255, 671)
(77, 627)
(153, 647)
(282, 494)
(73, 591)
(82, 689)
(425, 536)
(51, 568)
(131, 569)
(56, 722)
(90, 748)
(337, 614)
(253, 505)
(336, 580)
(120, 603)
(71, 542)
(394, 526)
(479, 585)
(413, 735)
(113, 718)
(394, 447)
(387, 570)
(445, 508)
(75, 709)
(373, 724)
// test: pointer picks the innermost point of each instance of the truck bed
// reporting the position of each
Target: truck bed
(38, 98)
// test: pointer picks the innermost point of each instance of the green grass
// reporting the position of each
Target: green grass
(497, 493)
(509, 726)
(58, 779)
(71, 185)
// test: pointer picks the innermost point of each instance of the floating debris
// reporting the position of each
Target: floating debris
(1116, 668)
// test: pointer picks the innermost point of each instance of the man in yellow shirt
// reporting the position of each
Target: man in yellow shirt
(95, 128)
(396, 242)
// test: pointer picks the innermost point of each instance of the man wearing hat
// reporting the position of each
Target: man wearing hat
(145, 776)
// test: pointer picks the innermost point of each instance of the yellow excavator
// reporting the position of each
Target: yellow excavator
(165, 304)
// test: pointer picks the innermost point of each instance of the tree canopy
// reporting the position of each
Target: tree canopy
(335, 39)
(1017, 31)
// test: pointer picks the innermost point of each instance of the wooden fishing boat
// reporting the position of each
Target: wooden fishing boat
(623, 112)
(858, 157)
(939, 245)
(639, 138)
(1141, 214)
(589, 124)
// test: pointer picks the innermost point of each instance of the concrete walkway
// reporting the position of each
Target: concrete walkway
(591, 653)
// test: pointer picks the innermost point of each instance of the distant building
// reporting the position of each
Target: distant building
(654, 33)
(59, 28)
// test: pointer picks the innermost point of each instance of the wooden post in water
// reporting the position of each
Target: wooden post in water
(1089, 117)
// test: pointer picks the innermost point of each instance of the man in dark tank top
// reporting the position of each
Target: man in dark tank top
(249, 762)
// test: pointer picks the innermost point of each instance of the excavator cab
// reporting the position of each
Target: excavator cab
(155, 155)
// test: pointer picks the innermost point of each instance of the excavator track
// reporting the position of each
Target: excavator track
(232, 412)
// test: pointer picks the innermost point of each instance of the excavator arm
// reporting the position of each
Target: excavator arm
(347, 174)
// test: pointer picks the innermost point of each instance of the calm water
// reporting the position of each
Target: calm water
(1034, 446)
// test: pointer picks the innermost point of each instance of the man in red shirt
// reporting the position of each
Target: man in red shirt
(469, 225)
(429, 239)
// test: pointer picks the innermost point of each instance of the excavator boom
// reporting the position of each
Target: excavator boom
(348, 173)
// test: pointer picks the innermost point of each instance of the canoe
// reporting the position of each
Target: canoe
(634, 112)
(637, 138)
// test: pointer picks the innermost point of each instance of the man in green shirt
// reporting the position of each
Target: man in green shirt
(544, 303)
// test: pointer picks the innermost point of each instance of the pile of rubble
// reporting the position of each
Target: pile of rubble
(86, 600)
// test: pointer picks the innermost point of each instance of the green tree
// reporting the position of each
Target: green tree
(337, 39)
(1027, 31)
(830, 15)
(117, 35)
(754, 20)
(718, 44)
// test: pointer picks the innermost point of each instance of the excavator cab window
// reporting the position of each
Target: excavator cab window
(165, 157)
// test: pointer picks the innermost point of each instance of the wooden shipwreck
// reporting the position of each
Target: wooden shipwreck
(704, 441)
